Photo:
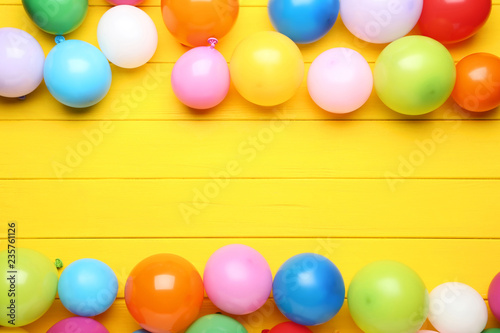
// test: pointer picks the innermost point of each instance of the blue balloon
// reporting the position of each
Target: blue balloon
(87, 287)
(304, 21)
(141, 331)
(77, 74)
(309, 289)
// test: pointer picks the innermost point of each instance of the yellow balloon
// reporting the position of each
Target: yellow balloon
(267, 68)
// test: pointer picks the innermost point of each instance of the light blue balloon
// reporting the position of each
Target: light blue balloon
(87, 287)
(77, 74)
(141, 331)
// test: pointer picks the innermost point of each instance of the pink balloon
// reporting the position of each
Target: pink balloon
(340, 80)
(78, 324)
(494, 296)
(200, 78)
(238, 279)
(426, 331)
(125, 2)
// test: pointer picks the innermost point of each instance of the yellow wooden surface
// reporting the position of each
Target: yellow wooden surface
(123, 180)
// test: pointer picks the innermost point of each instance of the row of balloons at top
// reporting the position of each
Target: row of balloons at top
(266, 68)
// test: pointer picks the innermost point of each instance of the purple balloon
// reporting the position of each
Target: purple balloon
(78, 325)
(200, 78)
(21, 63)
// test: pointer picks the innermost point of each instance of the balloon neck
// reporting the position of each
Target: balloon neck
(22, 98)
(60, 39)
(212, 41)
(59, 263)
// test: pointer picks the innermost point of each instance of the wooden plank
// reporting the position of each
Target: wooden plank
(271, 208)
(117, 319)
(146, 94)
(251, 19)
(436, 260)
(278, 148)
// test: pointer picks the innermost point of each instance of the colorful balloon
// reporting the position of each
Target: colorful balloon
(77, 74)
(127, 36)
(451, 21)
(494, 296)
(216, 323)
(340, 80)
(125, 2)
(309, 289)
(457, 308)
(35, 286)
(477, 87)
(193, 22)
(57, 17)
(267, 68)
(303, 22)
(87, 287)
(290, 327)
(78, 324)
(238, 279)
(12, 330)
(21, 63)
(200, 78)
(414, 75)
(389, 297)
(381, 21)
(164, 293)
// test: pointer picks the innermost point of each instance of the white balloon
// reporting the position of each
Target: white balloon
(127, 36)
(380, 21)
(457, 308)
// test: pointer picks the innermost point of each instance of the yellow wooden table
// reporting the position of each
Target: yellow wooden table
(140, 174)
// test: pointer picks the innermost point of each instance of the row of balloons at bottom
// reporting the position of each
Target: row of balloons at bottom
(413, 75)
(164, 293)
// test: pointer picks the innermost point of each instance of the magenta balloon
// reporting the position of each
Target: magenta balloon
(200, 78)
(238, 279)
(125, 2)
(21, 63)
(494, 296)
(340, 80)
(78, 324)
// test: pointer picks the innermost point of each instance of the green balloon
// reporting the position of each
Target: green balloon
(388, 297)
(57, 17)
(492, 330)
(216, 323)
(27, 294)
(414, 75)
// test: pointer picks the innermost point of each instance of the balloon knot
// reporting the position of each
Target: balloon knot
(59, 263)
(265, 331)
(212, 41)
(60, 39)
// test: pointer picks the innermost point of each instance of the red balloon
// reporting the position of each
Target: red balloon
(290, 327)
(451, 21)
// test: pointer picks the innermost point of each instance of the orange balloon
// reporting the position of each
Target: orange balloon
(478, 82)
(193, 22)
(164, 293)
